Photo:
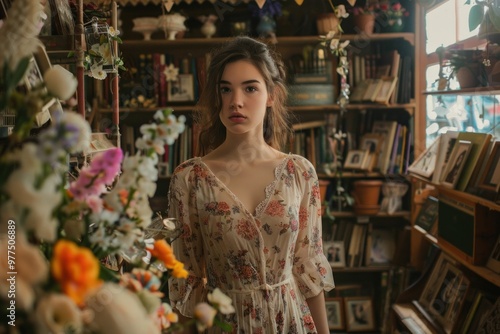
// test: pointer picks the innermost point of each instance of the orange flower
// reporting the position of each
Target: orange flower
(76, 269)
(163, 252)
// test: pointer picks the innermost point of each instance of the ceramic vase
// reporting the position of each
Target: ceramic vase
(364, 23)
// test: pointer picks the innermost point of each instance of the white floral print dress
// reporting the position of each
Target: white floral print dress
(268, 262)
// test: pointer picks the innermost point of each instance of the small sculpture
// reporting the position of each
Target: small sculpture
(208, 28)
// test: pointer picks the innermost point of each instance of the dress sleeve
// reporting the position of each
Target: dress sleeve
(184, 294)
(311, 268)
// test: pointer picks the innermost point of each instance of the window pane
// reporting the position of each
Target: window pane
(440, 26)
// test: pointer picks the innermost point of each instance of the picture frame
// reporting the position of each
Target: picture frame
(335, 313)
(373, 143)
(456, 163)
(425, 164)
(493, 262)
(448, 297)
(359, 314)
(335, 253)
(490, 178)
(163, 169)
(428, 214)
(446, 144)
(386, 89)
(431, 285)
(356, 159)
(380, 247)
(181, 90)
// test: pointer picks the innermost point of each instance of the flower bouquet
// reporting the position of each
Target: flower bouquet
(57, 233)
(391, 16)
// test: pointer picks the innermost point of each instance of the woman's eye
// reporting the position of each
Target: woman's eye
(251, 89)
(224, 90)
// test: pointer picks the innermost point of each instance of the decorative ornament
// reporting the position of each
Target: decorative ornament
(168, 5)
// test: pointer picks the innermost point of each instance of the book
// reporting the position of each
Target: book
(480, 143)
(388, 130)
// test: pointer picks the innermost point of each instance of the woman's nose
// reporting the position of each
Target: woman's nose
(236, 100)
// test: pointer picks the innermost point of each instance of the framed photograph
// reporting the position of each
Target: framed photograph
(456, 163)
(494, 259)
(490, 178)
(335, 313)
(380, 246)
(446, 144)
(359, 314)
(371, 142)
(356, 159)
(163, 169)
(335, 253)
(425, 164)
(428, 214)
(181, 90)
(450, 291)
(431, 285)
(385, 90)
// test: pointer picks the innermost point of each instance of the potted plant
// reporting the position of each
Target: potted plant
(391, 16)
(488, 21)
(467, 67)
(364, 18)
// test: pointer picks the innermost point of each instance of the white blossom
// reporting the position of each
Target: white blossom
(221, 301)
(60, 82)
(57, 313)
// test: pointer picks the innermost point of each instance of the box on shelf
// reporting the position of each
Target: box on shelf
(467, 229)
(311, 94)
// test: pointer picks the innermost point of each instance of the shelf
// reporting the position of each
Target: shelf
(160, 44)
(351, 214)
(495, 90)
(466, 196)
(481, 271)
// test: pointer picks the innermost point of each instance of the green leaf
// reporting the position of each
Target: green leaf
(494, 18)
(476, 16)
(107, 274)
(19, 72)
(224, 326)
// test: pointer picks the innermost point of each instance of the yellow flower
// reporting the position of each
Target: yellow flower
(163, 252)
(76, 269)
(179, 271)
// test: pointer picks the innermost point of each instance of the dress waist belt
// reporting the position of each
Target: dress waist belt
(264, 286)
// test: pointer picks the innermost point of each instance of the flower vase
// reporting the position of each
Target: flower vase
(366, 194)
(394, 24)
(364, 23)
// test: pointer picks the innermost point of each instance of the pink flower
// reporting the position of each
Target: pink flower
(275, 208)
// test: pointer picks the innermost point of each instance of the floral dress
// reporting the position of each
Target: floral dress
(268, 262)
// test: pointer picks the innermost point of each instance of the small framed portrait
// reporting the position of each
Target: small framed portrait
(456, 163)
(371, 142)
(356, 159)
(386, 88)
(359, 314)
(490, 178)
(450, 291)
(335, 313)
(182, 89)
(425, 164)
(163, 169)
(335, 253)
(431, 285)
(494, 259)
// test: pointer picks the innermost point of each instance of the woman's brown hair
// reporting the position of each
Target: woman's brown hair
(268, 62)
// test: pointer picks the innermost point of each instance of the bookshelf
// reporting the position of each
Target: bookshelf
(358, 119)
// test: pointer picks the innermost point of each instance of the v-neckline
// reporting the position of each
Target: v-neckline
(269, 189)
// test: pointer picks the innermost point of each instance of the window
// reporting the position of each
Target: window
(447, 25)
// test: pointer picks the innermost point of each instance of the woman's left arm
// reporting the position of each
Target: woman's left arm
(318, 312)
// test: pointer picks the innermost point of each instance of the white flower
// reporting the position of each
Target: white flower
(169, 224)
(221, 301)
(97, 72)
(105, 52)
(204, 315)
(117, 310)
(340, 12)
(57, 313)
(113, 32)
(171, 72)
(60, 82)
(77, 121)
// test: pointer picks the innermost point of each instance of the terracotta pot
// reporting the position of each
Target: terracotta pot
(366, 193)
(327, 22)
(468, 76)
(364, 23)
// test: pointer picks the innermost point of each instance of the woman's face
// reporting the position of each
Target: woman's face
(244, 98)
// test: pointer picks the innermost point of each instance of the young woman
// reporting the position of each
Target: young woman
(250, 214)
